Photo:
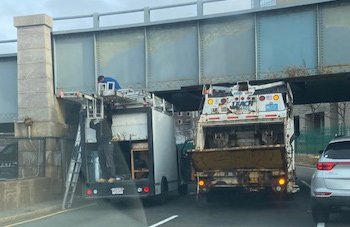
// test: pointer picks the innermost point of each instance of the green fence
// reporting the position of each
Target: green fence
(313, 141)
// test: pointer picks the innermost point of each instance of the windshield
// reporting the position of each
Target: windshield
(338, 150)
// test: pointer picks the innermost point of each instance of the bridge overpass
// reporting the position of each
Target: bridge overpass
(304, 42)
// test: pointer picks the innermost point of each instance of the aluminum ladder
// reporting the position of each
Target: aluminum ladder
(73, 172)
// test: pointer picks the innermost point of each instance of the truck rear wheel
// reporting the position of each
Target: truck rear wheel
(161, 198)
(202, 201)
(319, 213)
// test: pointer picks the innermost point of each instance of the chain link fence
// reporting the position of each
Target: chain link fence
(22, 157)
(34, 157)
(313, 141)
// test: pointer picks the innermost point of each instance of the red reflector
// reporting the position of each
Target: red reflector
(251, 116)
(325, 165)
(323, 194)
(232, 117)
(262, 98)
(271, 115)
(146, 189)
(89, 191)
(214, 118)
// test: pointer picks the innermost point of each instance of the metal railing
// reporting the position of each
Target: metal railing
(22, 157)
(6, 49)
(29, 157)
(147, 12)
(201, 6)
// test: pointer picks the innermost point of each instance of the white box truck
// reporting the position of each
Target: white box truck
(144, 149)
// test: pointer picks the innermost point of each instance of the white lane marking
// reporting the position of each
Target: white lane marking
(321, 224)
(164, 221)
(307, 184)
(49, 215)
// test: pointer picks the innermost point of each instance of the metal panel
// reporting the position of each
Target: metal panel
(8, 89)
(121, 55)
(335, 36)
(173, 56)
(164, 150)
(128, 127)
(227, 50)
(287, 43)
(74, 62)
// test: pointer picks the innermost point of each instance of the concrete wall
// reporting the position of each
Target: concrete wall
(333, 116)
(16, 194)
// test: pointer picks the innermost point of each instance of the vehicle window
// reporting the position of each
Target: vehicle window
(339, 150)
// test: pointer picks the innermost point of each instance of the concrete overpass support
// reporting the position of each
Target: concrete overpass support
(37, 104)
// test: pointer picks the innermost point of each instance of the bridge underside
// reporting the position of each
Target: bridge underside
(306, 90)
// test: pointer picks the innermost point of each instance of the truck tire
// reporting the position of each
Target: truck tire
(210, 197)
(202, 201)
(183, 189)
(320, 213)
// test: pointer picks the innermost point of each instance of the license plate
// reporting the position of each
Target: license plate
(117, 191)
(253, 177)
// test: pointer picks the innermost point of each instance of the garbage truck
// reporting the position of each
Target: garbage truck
(245, 139)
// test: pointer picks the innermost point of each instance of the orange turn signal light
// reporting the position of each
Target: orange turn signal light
(281, 181)
(201, 182)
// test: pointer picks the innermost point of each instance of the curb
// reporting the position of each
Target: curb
(26, 214)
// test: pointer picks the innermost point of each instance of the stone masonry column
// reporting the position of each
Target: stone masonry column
(37, 102)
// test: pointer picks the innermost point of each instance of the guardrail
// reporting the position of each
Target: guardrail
(146, 11)
(200, 9)
(6, 47)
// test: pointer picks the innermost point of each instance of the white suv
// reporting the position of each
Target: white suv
(330, 184)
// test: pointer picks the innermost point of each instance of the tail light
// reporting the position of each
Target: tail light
(201, 183)
(323, 194)
(325, 165)
(282, 181)
(89, 191)
(146, 189)
(262, 98)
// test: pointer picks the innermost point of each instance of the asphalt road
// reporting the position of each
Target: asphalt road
(224, 210)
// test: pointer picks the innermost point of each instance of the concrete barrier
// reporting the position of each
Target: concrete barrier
(306, 159)
(25, 192)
